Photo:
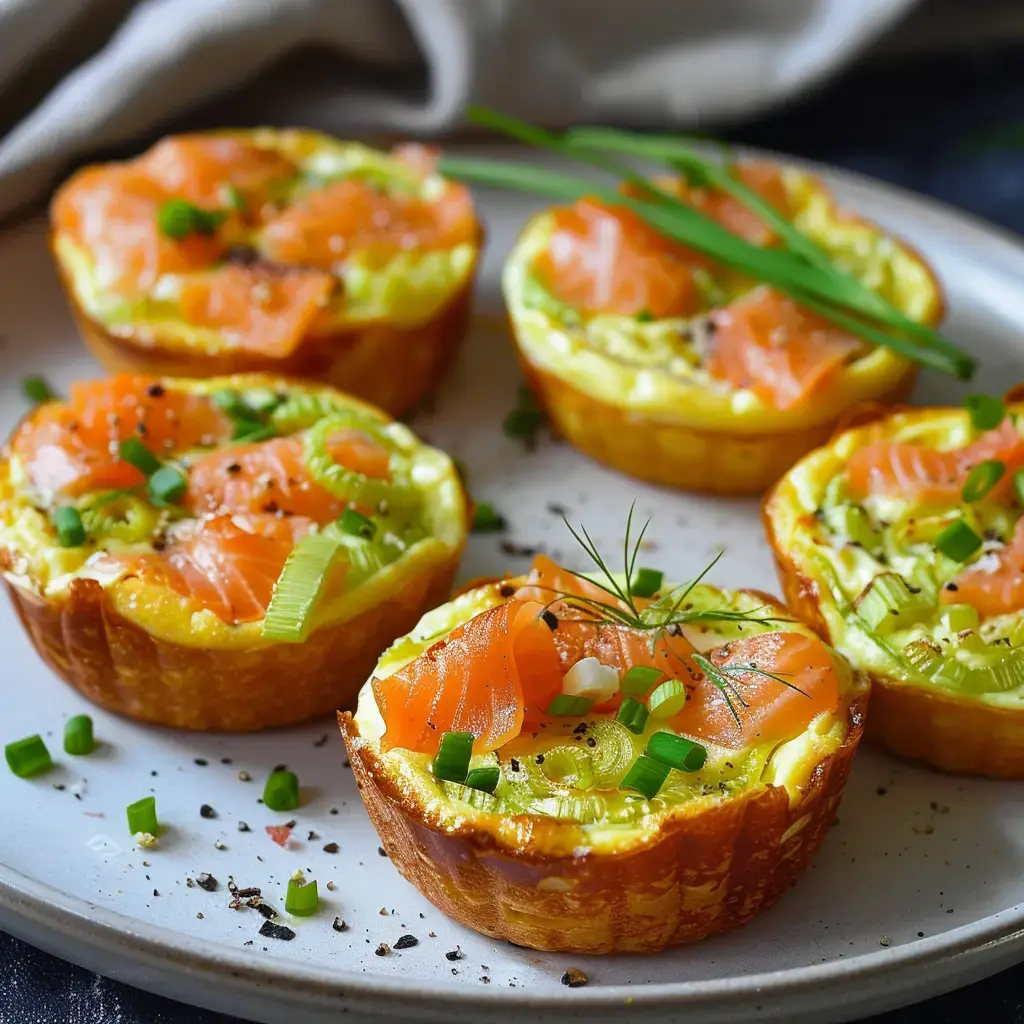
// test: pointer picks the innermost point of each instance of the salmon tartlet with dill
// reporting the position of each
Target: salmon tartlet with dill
(902, 541)
(230, 554)
(281, 251)
(591, 765)
(705, 330)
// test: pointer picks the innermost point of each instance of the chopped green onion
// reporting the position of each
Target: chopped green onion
(302, 898)
(142, 816)
(646, 583)
(632, 714)
(78, 738)
(281, 792)
(487, 519)
(231, 402)
(639, 679)
(981, 479)
(167, 486)
(958, 541)
(134, 451)
(298, 588)
(646, 776)
(451, 762)
(231, 197)
(567, 705)
(67, 521)
(668, 699)
(523, 422)
(986, 411)
(178, 218)
(1018, 485)
(27, 757)
(645, 316)
(261, 400)
(357, 525)
(485, 779)
(676, 752)
(37, 390)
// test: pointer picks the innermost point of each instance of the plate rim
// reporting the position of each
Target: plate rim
(33, 902)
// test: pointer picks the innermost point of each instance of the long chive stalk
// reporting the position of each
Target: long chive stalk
(801, 271)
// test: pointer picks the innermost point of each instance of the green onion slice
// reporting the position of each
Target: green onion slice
(78, 737)
(355, 524)
(451, 762)
(986, 411)
(567, 705)
(646, 583)
(1018, 485)
(526, 419)
(37, 390)
(676, 752)
(958, 541)
(27, 757)
(668, 699)
(981, 479)
(281, 792)
(638, 680)
(487, 519)
(299, 587)
(178, 218)
(484, 779)
(142, 816)
(167, 486)
(646, 776)
(67, 521)
(134, 451)
(632, 714)
(302, 898)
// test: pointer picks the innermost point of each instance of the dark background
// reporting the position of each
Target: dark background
(949, 126)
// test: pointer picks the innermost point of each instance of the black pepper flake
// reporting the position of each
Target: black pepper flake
(269, 930)
(539, 759)
(507, 590)
(155, 391)
(514, 764)
(201, 761)
(550, 619)
(252, 890)
(331, 848)
(312, 836)
(207, 881)
(951, 586)
(320, 742)
(234, 467)
(243, 826)
(265, 909)
(339, 925)
(206, 811)
(280, 768)
(407, 942)
(591, 742)
(156, 892)
(383, 950)
(381, 851)
(293, 822)
(574, 978)
(225, 760)
(455, 954)
(518, 550)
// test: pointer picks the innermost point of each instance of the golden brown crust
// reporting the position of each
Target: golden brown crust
(389, 365)
(676, 454)
(703, 872)
(123, 668)
(949, 732)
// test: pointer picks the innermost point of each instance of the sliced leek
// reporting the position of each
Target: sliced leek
(299, 588)
(887, 603)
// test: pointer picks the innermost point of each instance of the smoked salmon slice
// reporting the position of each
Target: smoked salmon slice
(73, 447)
(924, 474)
(479, 679)
(766, 342)
(606, 259)
(262, 308)
(271, 477)
(767, 709)
(994, 586)
(324, 227)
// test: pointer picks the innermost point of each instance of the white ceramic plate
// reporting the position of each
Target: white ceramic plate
(931, 863)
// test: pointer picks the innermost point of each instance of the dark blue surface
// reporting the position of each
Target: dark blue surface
(944, 126)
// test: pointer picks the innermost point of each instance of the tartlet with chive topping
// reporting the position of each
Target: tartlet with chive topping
(902, 542)
(280, 251)
(584, 770)
(229, 554)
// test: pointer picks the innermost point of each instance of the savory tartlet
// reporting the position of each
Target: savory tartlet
(902, 542)
(229, 554)
(574, 770)
(676, 368)
(280, 251)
